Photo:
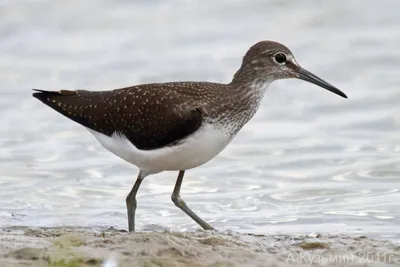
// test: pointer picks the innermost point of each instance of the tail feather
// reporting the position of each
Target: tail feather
(83, 107)
(68, 103)
(44, 93)
(53, 99)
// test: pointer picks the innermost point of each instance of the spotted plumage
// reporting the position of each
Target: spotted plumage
(152, 116)
(178, 125)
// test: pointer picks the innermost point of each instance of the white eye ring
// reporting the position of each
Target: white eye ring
(280, 58)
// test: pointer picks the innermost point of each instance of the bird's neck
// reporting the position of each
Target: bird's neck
(247, 82)
(246, 92)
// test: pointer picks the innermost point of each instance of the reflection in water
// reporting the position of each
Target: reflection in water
(308, 161)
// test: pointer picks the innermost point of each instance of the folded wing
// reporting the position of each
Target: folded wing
(149, 119)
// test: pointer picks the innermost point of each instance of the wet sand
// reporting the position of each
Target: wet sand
(72, 247)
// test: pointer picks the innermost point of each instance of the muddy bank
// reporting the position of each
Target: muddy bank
(65, 247)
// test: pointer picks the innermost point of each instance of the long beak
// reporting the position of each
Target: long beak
(309, 77)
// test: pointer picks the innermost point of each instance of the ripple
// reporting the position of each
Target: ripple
(235, 207)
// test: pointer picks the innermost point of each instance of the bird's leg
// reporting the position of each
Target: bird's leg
(131, 201)
(178, 201)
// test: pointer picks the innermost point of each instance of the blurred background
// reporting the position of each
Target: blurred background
(309, 161)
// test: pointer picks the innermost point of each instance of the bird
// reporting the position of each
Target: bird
(178, 126)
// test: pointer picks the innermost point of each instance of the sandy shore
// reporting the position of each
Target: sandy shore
(66, 247)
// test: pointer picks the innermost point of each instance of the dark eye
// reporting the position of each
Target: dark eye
(280, 58)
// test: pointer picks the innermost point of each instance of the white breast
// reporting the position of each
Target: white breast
(195, 150)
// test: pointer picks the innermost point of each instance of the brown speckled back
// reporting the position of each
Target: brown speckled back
(150, 116)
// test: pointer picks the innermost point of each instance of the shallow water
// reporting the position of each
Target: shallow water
(309, 161)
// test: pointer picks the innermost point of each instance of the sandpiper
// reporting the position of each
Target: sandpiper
(178, 126)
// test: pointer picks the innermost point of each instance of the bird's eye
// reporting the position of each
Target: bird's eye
(280, 58)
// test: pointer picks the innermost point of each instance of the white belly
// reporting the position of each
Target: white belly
(194, 151)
